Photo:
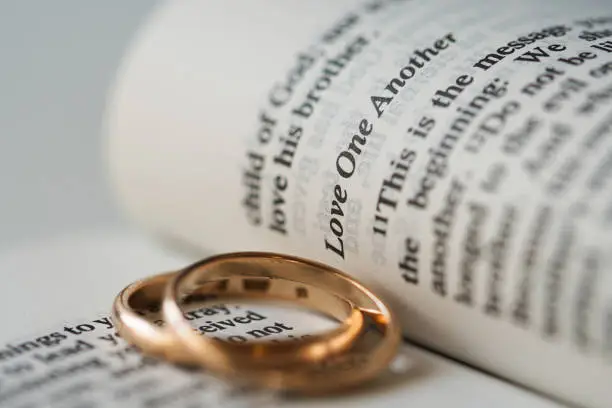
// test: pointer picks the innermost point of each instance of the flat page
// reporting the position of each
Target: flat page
(80, 362)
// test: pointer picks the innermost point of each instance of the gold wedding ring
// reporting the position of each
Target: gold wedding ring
(144, 297)
(257, 275)
(356, 350)
(132, 313)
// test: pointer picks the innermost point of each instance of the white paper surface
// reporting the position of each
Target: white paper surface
(84, 271)
(455, 155)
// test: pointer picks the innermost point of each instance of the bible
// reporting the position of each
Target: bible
(454, 155)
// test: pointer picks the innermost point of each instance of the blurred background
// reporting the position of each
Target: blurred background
(58, 60)
(64, 250)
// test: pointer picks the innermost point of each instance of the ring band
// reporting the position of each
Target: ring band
(374, 349)
(130, 308)
(145, 297)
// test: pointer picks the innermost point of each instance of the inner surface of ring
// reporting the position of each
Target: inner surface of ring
(270, 290)
(270, 267)
(210, 307)
(148, 297)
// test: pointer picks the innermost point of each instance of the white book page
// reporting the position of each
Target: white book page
(90, 367)
(455, 155)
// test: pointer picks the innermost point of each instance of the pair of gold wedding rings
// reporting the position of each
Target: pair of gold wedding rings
(357, 349)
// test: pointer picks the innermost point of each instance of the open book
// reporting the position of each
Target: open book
(454, 155)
